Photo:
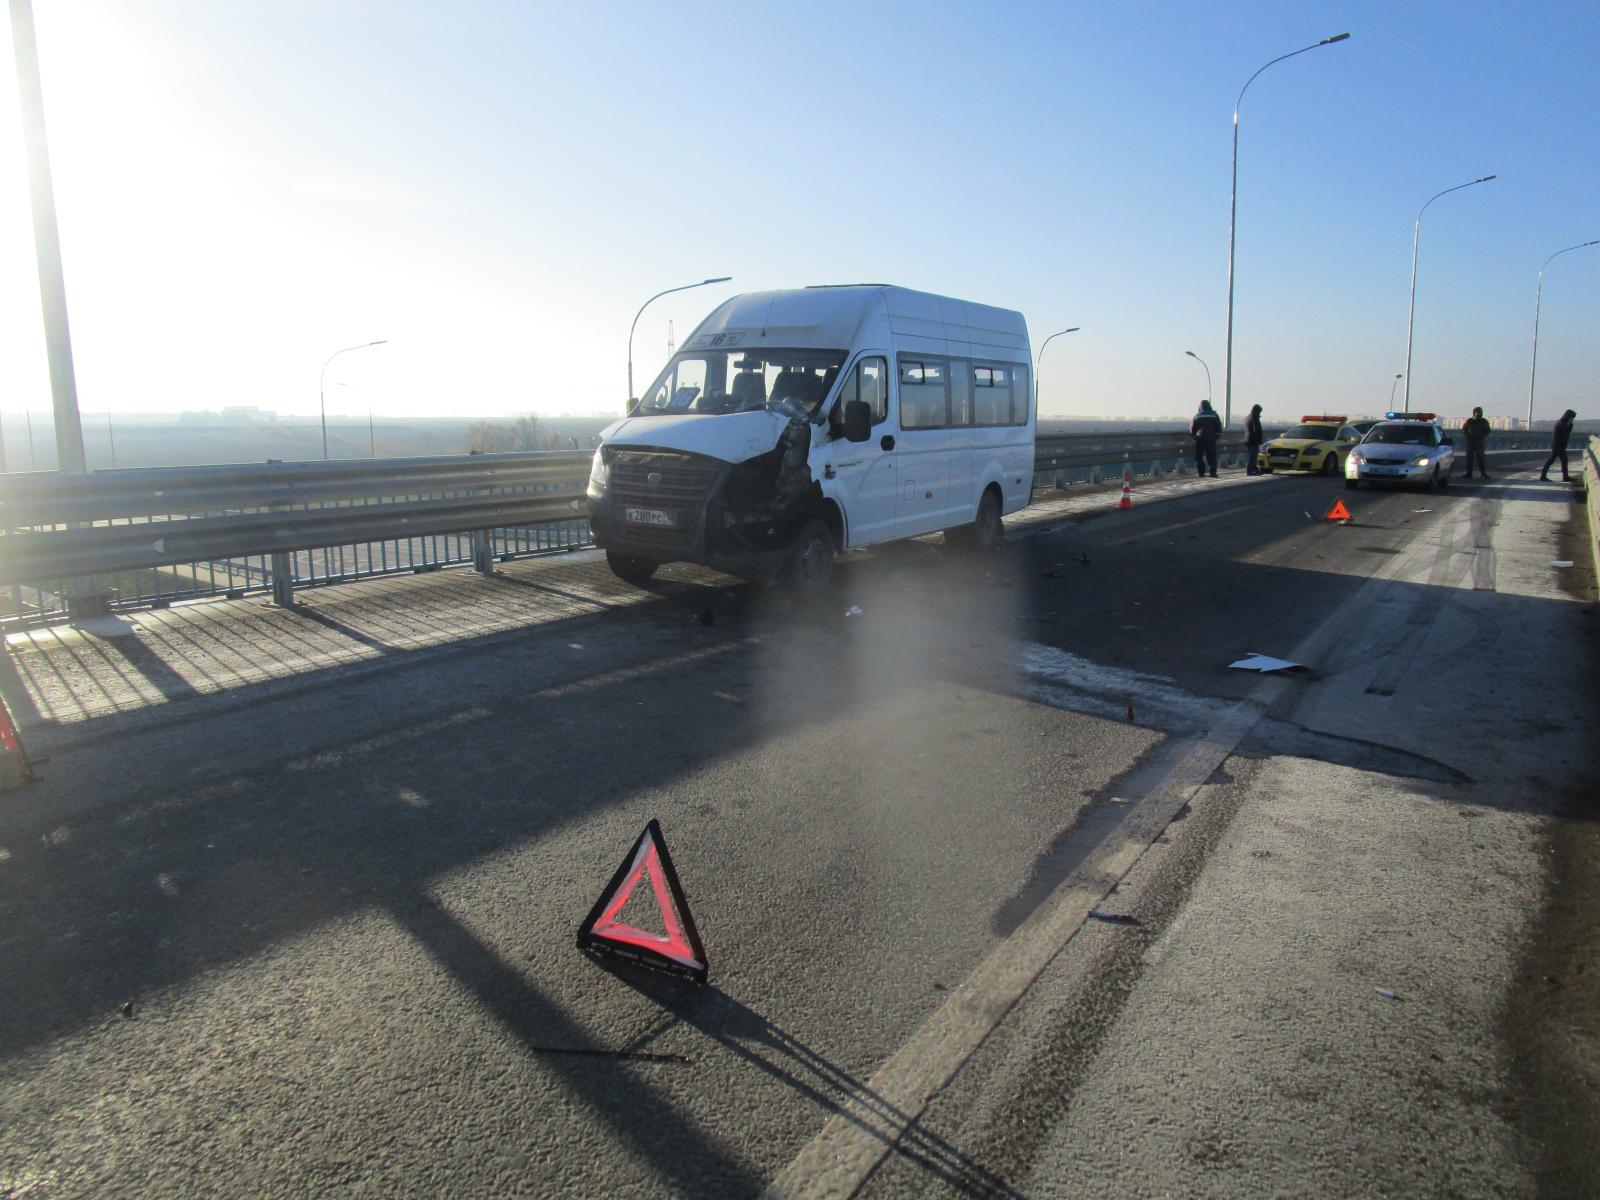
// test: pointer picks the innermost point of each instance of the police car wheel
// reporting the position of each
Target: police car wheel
(1444, 479)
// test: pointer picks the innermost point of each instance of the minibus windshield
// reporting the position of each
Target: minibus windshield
(794, 382)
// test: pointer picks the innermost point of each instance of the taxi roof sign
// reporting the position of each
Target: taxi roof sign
(1341, 419)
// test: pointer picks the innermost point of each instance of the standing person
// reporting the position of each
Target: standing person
(1206, 428)
(1558, 447)
(1476, 427)
(1252, 441)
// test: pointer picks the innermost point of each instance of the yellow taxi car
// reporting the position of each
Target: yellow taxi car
(1318, 443)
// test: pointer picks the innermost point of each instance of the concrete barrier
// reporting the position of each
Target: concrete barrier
(1591, 490)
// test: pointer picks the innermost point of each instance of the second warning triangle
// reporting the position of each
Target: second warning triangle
(677, 948)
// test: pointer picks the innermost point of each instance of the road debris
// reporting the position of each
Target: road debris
(853, 611)
(1387, 994)
(1256, 661)
(1565, 562)
(1113, 918)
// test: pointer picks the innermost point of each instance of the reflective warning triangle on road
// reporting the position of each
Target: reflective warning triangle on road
(678, 948)
(1337, 513)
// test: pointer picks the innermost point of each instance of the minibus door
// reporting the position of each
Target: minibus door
(864, 472)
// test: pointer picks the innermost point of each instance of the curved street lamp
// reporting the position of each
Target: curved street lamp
(1415, 238)
(1039, 358)
(1538, 295)
(640, 313)
(1202, 362)
(322, 389)
(1399, 375)
(1233, 213)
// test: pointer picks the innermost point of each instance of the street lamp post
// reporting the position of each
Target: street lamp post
(1202, 362)
(1416, 237)
(1233, 213)
(322, 381)
(1038, 360)
(684, 288)
(1538, 296)
(1399, 375)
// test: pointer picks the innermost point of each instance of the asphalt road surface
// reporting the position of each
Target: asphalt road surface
(1008, 885)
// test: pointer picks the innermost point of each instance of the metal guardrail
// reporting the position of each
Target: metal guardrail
(157, 535)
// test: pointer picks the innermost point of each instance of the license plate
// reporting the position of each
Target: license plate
(648, 516)
(1383, 470)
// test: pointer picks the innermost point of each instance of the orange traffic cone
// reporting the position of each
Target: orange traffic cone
(14, 768)
(1127, 484)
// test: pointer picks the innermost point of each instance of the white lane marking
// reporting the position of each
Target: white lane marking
(838, 1160)
(855, 1140)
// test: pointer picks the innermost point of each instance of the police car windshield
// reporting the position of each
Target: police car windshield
(794, 382)
(1315, 433)
(1402, 435)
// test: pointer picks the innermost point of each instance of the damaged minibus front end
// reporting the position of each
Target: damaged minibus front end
(733, 491)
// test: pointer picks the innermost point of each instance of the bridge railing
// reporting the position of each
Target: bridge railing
(153, 536)
(157, 535)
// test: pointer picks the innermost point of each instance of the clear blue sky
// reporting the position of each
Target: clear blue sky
(496, 187)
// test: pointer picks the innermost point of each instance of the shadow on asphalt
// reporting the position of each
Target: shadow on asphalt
(746, 1033)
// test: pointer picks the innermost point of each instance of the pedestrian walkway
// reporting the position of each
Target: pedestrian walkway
(62, 675)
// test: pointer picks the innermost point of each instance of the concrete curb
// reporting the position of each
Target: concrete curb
(1591, 488)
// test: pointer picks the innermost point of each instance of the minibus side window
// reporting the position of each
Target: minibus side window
(961, 380)
(872, 375)
(868, 380)
(924, 394)
(1021, 395)
(992, 395)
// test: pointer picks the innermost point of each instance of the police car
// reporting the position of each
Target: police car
(1403, 448)
(1318, 443)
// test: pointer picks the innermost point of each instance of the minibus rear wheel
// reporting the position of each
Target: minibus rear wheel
(811, 568)
(983, 535)
(631, 568)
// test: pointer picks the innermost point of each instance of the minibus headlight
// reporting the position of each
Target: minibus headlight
(599, 473)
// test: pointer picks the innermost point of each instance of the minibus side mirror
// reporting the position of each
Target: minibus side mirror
(857, 420)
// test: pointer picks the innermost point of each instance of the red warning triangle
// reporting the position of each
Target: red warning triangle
(1337, 513)
(678, 949)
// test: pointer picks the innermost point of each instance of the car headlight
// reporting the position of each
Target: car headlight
(1355, 457)
(1421, 460)
(599, 472)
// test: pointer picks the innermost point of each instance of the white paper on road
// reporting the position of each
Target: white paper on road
(1264, 663)
(1567, 562)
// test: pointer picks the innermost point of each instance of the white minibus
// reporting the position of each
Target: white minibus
(792, 425)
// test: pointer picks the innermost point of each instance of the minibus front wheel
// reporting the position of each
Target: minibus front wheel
(630, 568)
(811, 568)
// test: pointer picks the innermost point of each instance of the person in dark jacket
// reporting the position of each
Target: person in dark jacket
(1252, 441)
(1476, 429)
(1206, 428)
(1558, 447)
